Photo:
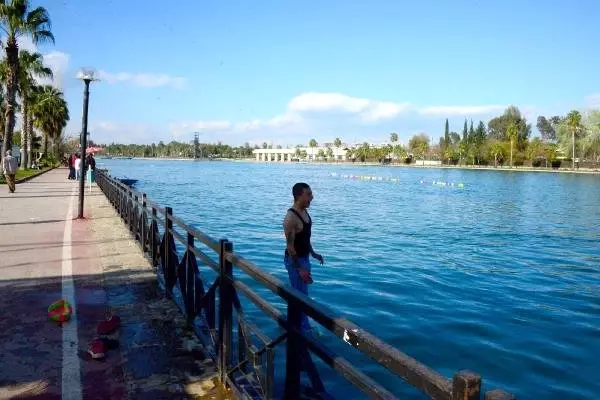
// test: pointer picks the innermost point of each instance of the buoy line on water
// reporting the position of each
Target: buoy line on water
(441, 183)
(388, 179)
(366, 177)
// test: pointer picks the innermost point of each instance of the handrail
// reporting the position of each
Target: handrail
(133, 207)
(414, 372)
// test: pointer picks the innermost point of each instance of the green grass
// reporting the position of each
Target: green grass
(23, 173)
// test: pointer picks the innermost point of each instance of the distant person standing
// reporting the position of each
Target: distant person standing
(9, 167)
(297, 226)
(91, 172)
(71, 164)
(77, 166)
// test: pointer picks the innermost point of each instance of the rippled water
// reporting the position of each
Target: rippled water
(501, 276)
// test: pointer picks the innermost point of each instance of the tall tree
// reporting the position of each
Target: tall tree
(512, 132)
(312, 143)
(555, 121)
(498, 127)
(17, 19)
(592, 138)
(471, 131)
(465, 132)
(447, 133)
(393, 137)
(573, 122)
(546, 129)
(337, 142)
(31, 66)
(51, 114)
(454, 138)
(419, 144)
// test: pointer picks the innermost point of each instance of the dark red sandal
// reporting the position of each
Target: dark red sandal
(109, 325)
(97, 349)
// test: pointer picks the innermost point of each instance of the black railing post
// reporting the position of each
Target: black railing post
(167, 249)
(134, 217)
(293, 354)
(153, 237)
(144, 234)
(130, 207)
(225, 309)
(190, 286)
(466, 385)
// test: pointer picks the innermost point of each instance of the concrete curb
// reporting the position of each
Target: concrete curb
(33, 176)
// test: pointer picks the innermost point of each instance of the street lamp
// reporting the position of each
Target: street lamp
(87, 75)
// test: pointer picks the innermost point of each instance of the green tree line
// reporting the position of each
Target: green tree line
(506, 140)
(177, 149)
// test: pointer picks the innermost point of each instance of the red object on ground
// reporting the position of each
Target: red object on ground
(96, 349)
(109, 326)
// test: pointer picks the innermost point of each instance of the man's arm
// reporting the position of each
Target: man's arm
(289, 228)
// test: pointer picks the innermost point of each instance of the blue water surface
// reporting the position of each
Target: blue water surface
(501, 276)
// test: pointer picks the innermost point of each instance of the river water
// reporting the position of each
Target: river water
(496, 272)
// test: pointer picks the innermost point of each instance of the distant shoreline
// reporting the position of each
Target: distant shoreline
(584, 171)
(465, 167)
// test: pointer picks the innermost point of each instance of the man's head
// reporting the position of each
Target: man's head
(9, 152)
(302, 194)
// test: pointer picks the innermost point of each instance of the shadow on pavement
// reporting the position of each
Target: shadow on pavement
(158, 357)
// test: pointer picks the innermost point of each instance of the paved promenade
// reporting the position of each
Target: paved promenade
(47, 254)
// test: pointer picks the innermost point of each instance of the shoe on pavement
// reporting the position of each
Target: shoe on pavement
(96, 349)
(110, 325)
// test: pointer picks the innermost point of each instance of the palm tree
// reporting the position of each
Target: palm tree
(17, 20)
(497, 151)
(30, 65)
(512, 131)
(573, 121)
(51, 114)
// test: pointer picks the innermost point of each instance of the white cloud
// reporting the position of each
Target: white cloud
(323, 116)
(57, 61)
(367, 110)
(592, 100)
(449, 111)
(143, 79)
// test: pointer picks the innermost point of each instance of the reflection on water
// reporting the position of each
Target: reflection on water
(501, 276)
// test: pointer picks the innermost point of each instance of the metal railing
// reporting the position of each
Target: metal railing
(251, 374)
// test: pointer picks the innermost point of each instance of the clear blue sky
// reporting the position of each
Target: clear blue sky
(287, 71)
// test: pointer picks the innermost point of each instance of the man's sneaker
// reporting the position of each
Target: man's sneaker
(109, 325)
(96, 349)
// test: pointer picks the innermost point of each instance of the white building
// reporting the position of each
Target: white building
(286, 155)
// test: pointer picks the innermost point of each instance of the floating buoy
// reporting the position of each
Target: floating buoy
(442, 183)
(368, 177)
(60, 311)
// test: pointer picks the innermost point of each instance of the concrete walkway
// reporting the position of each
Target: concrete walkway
(45, 255)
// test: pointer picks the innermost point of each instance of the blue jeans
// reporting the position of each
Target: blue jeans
(298, 284)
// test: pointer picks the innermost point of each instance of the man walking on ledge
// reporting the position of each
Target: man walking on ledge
(9, 167)
(297, 227)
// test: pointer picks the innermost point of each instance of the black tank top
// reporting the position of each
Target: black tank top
(302, 240)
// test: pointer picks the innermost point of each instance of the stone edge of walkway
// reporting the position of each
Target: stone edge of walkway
(182, 381)
(30, 177)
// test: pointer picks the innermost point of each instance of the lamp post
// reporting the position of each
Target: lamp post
(87, 76)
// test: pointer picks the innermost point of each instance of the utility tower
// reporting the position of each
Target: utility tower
(196, 146)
